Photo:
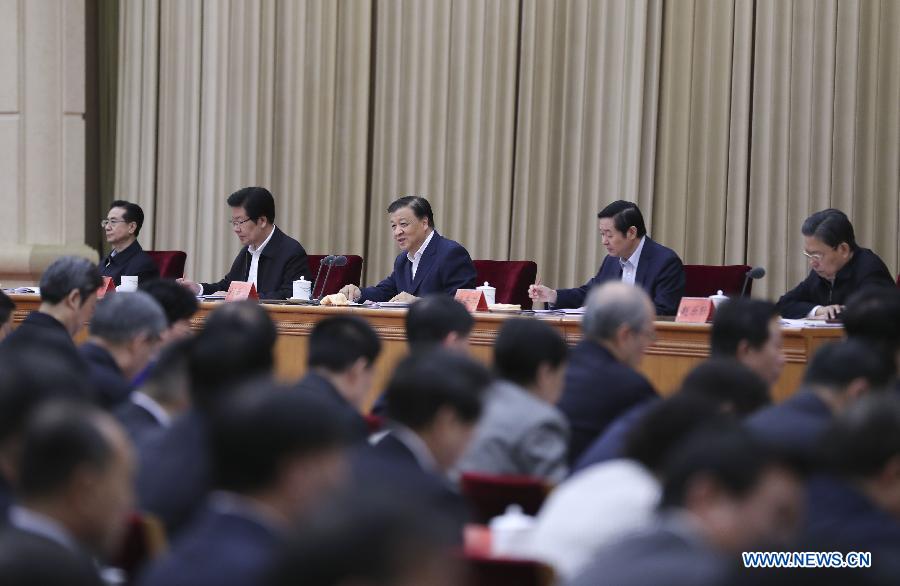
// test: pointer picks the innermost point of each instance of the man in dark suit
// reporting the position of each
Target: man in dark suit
(275, 455)
(429, 262)
(341, 364)
(270, 259)
(125, 332)
(235, 347)
(602, 380)
(722, 495)
(633, 257)
(434, 401)
(838, 375)
(68, 296)
(74, 484)
(854, 505)
(122, 225)
(839, 267)
(6, 310)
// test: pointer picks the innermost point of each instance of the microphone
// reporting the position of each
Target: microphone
(754, 273)
(339, 261)
(325, 260)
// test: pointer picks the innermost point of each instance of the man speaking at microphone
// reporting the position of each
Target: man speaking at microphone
(633, 257)
(270, 259)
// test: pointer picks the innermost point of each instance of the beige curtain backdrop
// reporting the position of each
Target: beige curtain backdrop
(728, 121)
(444, 108)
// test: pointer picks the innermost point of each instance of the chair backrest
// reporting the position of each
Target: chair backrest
(349, 274)
(706, 280)
(490, 571)
(169, 262)
(511, 278)
(144, 540)
(488, 495)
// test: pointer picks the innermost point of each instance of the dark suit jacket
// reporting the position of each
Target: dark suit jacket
(281, 262)
(445, 266)
(611, 443)
(30, 558)
(140, 424)
(794, 426)
(660, 273)
(391, 466)
(173, 472)
(217, 549)
(131, 261)
(865, 268)
(598, 388)
(669, 553)
(315, 385)
(108, 385)
(40, 330)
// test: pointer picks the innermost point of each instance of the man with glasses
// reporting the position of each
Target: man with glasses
(839, 267)
(270, 259)
(602, 380)
(122, 225)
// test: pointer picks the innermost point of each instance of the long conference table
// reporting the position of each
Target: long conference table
(678, 347)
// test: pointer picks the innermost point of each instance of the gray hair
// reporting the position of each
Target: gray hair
(66, 274)
(121, 317)
(610, 306)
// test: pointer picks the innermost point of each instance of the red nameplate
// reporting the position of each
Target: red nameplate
(241, 291)
(108, 286)
(473, 299)
(695, 310)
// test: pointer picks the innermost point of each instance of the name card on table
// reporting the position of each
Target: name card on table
(696, 310)
(108, 286)
(241, 291)
(473, 299)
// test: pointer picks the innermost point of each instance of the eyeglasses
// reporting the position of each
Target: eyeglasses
(816, 256)
(104, 223)
(236, 223)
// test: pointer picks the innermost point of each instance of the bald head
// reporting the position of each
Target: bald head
(620, 316)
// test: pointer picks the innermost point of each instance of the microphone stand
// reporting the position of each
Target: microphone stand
(327, 272)
(313, 298)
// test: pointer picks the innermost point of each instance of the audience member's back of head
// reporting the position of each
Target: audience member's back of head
(6, 310)
(177, 301)
(426, 382)
(67, 274)
(122, 317)
(169, 380)
(612, 305)
(523, 345)
(740, 319)
(368, 539)
(873, 314)
(258, 429)
(337, 343)
(59, 439)
(836, 365)
(431, 320)
(236, 345)
(729, 384)
(665, 426)
(865, 438)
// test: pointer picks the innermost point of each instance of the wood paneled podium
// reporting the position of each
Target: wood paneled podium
(678, 347)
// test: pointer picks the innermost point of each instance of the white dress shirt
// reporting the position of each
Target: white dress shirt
(415, 258)
(630, 264)
(39, 524)
(254, 257)
(152, 407)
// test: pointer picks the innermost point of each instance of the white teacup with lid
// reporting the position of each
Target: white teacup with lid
(302, 289)
(129, 283)
(718, 298)
(511, 532)
(490, 293)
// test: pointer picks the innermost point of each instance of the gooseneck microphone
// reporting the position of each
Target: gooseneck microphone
(325, 260)
(754, 273)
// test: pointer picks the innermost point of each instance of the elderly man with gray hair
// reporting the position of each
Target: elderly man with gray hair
(124, 334)
(602, 380)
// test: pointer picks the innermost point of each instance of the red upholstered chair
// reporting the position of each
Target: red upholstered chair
(511, 278)
(898, 281)
(489, 494)
(169, 262)
(490, 571)
(706, 280)
(349, 274)
(143, 541)
(374, 422)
